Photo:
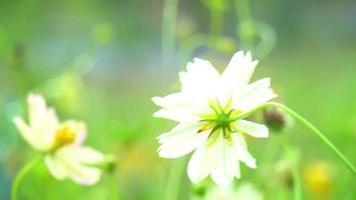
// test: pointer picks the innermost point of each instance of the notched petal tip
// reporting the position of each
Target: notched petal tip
(238, 53)
(156, 100)
(158, 114)
(222, 182)
(248, 56)
(35, 98)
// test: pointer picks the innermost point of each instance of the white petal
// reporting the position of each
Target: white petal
(43, 121)
(87, 175)
(253, 129)
(84, 155)
(180, 107)
(227, 166)
(254, 95)
(40, 113)
(241, 150)
(26, 133)
(201, 163)
(200, 79)
(179, 100)
(239, 71)
(70, 162)
(182, 101)
(56, 167)
(37, 109)
(182, 117)
(181, 140)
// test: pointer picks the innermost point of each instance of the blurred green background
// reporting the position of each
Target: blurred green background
(102, 61)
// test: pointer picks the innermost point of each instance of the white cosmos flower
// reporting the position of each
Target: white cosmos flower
(60, 143)
(207, 109)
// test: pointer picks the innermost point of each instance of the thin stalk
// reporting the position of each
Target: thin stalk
(168, 29)
(247, 29)
(114, 188)
(307, 124)
(216, 23)
(21, 174)
(174, 179)
(243, 10)
(293, 160)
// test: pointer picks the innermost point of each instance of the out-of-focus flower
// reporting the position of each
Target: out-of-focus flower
(210, 109)
(226, 44)
(244, 191)
(284, 173)
(67, 89)
(61, 143)
(103, 33)
(318, 177)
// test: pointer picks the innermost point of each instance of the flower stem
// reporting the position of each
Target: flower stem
(169, 29)
(114, 188)
(308, 125)
(21, 174)
(247, 29)
(293, 160)
(174, 179)
(216, 23)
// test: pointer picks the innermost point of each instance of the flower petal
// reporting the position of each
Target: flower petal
(181, 140)
(227, 166)
(241, 150)
(182, 117)
(181, 101)
(200, 79)
(253, 129)
(26, 132)
(56, 167)
(85, 155)
(43, 122)
(239, 71)
(180, 107)
(254, 95)
(70, 162)
(201, 163)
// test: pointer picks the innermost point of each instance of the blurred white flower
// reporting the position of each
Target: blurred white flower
(245, 191)
(60, 143)
(208, 109)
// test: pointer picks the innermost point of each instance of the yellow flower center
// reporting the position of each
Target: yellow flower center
(64, 135)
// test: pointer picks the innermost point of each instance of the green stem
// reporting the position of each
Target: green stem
(174, 179)
(216, 23)
(308, 125)
(114, 189)
(243, 10)
(293, 160)
(21, 174)
(168, 29)
(244, 16)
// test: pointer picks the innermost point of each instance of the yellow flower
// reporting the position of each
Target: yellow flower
(318, 177)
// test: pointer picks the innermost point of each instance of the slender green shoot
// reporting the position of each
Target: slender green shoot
(21, 174)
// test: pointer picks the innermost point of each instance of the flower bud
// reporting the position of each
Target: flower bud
(109, 163)
(274, 119)
(284, 172)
